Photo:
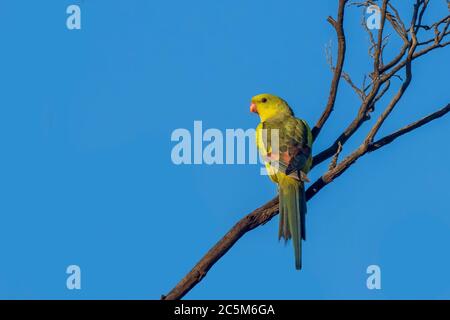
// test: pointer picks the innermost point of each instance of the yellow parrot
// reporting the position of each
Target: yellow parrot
(287, 161)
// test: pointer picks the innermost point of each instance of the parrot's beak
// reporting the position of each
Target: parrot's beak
(253, 108)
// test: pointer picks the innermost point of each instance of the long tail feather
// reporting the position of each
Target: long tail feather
(292, 215)
(302, 203)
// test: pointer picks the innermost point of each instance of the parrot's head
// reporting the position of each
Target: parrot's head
(268, 105)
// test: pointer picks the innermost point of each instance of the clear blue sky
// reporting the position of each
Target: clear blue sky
(86, 176)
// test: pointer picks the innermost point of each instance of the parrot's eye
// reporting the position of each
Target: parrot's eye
(264, 100)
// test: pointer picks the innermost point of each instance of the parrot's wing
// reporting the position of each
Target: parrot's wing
(296, 148)
(294, 145)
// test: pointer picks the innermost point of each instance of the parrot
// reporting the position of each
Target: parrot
(287, 163)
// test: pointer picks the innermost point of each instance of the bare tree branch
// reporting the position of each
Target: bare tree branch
(400, 92)
(391, 137)
(339, 28)
(258, 217)
(380, 77)
(378, 51)
(349, 80)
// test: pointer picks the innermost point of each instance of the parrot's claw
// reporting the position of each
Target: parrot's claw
(300, 176)
(304, 177)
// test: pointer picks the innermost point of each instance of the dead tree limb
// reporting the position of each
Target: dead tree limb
(338, 26)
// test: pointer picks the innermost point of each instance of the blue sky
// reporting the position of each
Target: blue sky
(87, 178)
